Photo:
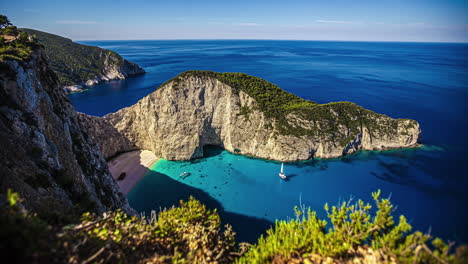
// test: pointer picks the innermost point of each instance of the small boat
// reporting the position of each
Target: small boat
(184, 174)
(281, 174)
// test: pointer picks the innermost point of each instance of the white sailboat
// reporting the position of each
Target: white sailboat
(281, 174)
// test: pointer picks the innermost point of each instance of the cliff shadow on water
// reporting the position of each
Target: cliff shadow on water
(157, 191)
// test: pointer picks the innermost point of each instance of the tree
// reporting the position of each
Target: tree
(4, 21)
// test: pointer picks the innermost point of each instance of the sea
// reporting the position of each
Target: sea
(427, 82)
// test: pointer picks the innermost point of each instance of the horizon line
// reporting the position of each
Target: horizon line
(261, 39)
(316, 40)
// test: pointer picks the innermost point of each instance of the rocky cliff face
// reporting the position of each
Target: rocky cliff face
(115, 71)
(46, 155)
(195, 110)
(79, 65)
(109, 139)
(114, 68)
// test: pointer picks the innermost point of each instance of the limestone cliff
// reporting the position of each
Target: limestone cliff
(46, 155)
(79, 65)
(109, 139)
(247, 115)
(114, 68)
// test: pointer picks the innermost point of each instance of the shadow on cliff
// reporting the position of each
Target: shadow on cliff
(157, 190)
(212, 151)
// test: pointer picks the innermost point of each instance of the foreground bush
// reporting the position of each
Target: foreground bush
(186, 234)
(191, 233)
(355, 236)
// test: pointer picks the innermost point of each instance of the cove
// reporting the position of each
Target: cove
(426, 82)
(250, 196)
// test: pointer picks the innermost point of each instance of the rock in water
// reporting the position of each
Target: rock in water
(46, 155)
(248, 115)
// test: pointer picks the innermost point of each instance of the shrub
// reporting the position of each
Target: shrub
(189, 233)
(19, 47)
(352, 228)
(10, 31)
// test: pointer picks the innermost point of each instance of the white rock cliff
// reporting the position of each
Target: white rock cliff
(184, 115)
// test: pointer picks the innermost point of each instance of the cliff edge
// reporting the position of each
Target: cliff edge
(248, 115)
(46, 155)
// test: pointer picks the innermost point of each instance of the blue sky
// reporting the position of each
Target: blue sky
(357, 20)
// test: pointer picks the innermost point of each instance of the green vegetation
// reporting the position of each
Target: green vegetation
(352, 227)
(4, 21)
(72, 62)
(14, 45)
(279, 105)
(191, 233)
(245, 111)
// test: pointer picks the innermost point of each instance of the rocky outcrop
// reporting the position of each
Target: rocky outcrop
(46, 155)
(109, 139)
(110, 71)
(198, 109)
(80, 65)
(115, 71)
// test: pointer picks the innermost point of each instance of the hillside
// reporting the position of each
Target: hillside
(248, 115)
(77, 64)
(47, 156)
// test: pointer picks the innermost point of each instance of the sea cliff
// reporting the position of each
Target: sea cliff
(111, 142)
(247, 115)
(46, 155)
(78, 66)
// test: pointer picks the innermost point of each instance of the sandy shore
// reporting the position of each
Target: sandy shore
(135, 164)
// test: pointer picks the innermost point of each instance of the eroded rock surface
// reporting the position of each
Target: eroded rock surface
(109, 139)
(198, 109)
(46, 155)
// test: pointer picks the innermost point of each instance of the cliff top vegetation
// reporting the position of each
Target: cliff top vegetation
(14, 44)
(72, 62)
(282, 107)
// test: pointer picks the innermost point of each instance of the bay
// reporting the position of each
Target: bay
(427, 82)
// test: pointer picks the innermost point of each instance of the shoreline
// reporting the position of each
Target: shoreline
(410, 147)
(414, 146)
(137, 163)
(134, 164)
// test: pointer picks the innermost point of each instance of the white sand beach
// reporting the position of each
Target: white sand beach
(135, 164)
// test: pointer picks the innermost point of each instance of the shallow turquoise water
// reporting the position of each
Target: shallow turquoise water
(239, 185)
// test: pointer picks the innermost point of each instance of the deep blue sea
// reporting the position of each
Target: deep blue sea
(427, 82)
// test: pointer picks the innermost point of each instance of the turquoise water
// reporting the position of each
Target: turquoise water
(427, 82)
(249, 187)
